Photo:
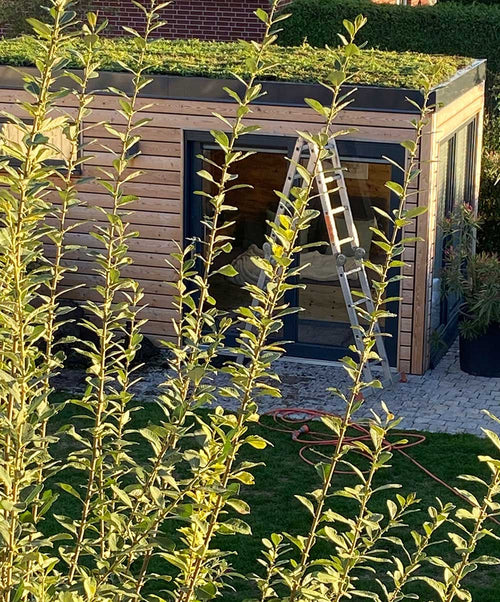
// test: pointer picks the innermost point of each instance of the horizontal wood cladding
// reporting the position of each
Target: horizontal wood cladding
(158, 213)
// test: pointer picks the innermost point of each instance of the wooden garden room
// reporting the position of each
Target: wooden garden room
(184, 96)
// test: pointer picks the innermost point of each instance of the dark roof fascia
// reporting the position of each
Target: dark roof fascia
(463, 80)
(287, 94)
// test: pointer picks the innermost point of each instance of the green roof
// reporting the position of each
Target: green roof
(222, 59)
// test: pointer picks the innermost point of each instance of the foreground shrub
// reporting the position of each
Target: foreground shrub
(193, 475)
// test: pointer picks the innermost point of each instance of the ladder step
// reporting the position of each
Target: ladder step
(353, 271)
(344, 241)
(336, 210)
(359, 302)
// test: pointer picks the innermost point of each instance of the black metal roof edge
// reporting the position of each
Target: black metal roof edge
(288, 94)
(463, 80)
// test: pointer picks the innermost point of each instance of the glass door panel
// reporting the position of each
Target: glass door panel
(322, 330)
(325, 320)
(265, 171)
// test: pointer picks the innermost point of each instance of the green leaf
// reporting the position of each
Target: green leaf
(410, 145)
(261, 14)
(493, 437)
(257, 442)
(245, 477)
(203, 173)
(40, 28)
(235, 525)
(395, 187)
(221, 139)
(69, 489)
(436, 585)
(415, 212)
(208, 591)
(227, 270)
(486, 560)
(317, 106)
(239, 505)
(90, 587)
(307, 503)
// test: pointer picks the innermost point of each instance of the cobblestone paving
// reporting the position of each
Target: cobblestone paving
(444, 400)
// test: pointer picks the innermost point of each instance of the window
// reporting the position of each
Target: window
(322, 329)
(457, 167)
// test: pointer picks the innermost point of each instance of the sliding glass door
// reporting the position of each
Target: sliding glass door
(322, 329)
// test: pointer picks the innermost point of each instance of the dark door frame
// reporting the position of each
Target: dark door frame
(349, 150)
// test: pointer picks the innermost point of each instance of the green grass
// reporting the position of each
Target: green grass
(275, 509)
(222, 59)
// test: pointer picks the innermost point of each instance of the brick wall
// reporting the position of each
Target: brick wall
(204, 19)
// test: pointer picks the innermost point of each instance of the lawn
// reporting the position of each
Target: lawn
(274, 507)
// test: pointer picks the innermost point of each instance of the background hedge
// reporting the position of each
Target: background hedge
(465, 27)
(447, 28)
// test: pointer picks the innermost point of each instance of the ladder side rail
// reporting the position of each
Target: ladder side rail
(355, 245)
(290, 179)
(370, 307)
(336, 247)
(344, 197)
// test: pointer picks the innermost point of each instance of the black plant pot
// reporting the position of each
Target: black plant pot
(481, 356)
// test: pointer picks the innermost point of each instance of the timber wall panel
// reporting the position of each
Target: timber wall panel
(420, 251)
(158, 214)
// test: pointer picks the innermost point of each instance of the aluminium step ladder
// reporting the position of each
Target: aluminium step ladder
(325, 177)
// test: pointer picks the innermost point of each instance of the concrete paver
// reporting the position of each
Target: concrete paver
(443, 400)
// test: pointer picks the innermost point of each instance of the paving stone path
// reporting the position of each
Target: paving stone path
(444, 400)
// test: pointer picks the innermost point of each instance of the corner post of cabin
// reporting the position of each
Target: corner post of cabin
(421, 251)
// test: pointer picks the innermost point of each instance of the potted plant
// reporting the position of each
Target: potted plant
(475, 278)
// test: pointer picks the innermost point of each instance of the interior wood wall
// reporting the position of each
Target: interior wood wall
(158, 215)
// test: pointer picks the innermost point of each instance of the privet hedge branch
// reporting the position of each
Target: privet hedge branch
(25, 183)
(250, 378)
(115, 339)
(298, 577)
(200, 331)
(201, 328)
(474, 525)
(65, 182)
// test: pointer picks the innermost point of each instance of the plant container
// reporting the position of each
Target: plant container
(481, 356)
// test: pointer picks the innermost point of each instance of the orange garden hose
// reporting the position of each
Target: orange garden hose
(296, 422)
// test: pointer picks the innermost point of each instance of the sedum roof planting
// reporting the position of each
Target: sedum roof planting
(222, 59)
